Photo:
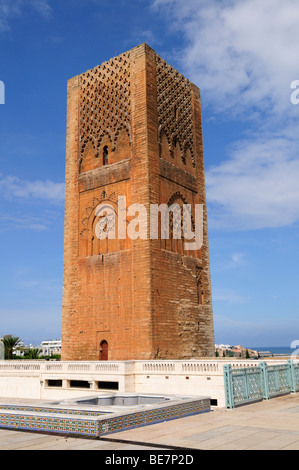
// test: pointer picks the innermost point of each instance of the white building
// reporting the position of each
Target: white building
(48, 348)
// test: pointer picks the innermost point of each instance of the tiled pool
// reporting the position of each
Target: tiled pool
(100, 414)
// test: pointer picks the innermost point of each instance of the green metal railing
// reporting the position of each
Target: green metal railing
(245, 385)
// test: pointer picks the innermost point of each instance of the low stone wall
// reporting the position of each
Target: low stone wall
(60, 380)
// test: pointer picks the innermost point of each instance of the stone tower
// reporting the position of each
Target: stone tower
(134, 130)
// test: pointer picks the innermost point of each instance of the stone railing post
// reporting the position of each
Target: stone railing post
(292, 376)
(264, 380)
(228, 386)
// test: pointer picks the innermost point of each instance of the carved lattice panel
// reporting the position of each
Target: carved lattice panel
(278, 379)
(296, 374)
(105, 104)
(175, 114)
(246, 384)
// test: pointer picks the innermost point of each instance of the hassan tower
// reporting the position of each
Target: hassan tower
(134, 142)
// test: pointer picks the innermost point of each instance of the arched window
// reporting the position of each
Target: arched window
(176, 149)
(104, 351)
(105, 155)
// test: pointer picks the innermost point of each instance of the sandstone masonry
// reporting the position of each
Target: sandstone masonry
(133, 130)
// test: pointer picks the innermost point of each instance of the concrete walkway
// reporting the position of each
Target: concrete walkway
(267, 425)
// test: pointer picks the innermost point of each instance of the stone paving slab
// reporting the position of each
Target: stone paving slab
(267, 425)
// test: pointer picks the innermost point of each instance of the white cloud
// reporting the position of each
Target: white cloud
(237, 259)
(47, 190)
(257, 187)
(24, 222)
(10, 9)
(244, 57)
(241, 54)
(42, 7)
(45, 193)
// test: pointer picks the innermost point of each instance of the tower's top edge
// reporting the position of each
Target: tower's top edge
(143, 48)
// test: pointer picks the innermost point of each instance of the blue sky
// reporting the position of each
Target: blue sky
(243, 54)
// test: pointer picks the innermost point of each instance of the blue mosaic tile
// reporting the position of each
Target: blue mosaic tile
(72, 421)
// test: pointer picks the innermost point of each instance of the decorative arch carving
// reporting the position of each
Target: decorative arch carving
(90, 244)
(175, 111)
(105, 102)
(176, 223)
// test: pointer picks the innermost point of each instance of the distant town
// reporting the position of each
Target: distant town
(226, 350)
(16, 349)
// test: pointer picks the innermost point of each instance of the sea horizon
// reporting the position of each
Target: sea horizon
(276, 350)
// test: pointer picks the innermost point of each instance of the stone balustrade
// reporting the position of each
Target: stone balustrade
(58, 380)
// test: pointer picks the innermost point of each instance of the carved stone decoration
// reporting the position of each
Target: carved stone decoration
(178, 198)
(175, 241)
(105, 105)
(175, 114)
(90, 209)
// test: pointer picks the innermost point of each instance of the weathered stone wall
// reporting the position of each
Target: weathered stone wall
(145, 298)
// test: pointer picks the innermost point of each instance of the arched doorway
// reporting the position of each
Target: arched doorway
(104, 351)
(105, 155)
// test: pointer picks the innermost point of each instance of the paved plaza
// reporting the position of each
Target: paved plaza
(266, 425)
